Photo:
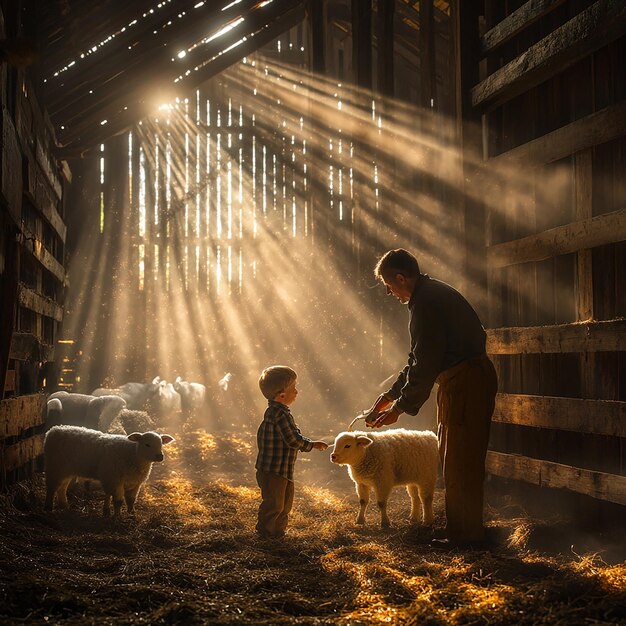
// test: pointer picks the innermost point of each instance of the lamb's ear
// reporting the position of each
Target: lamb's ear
(156, 380)
(134, 436)
(167, 439)
(364, 441)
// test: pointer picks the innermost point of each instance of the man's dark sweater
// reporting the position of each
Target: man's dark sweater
(444, 330)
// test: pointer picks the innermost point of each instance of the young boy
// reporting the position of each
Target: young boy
(279, 440)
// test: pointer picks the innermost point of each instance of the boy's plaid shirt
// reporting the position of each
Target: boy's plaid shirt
(279, 440)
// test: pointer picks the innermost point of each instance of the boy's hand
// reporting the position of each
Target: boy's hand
(320, 445)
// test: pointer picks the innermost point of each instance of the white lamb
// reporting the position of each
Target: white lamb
(79, 409)
(383, 460)
(121, 464)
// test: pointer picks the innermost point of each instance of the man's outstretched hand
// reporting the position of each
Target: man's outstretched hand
(381, 403)
(387, 417)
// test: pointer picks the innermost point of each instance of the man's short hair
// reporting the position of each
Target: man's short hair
(394, 262)
(275, 379)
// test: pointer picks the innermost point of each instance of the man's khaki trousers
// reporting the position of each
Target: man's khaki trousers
(465, 404)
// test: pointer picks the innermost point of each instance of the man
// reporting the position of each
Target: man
(447, 347)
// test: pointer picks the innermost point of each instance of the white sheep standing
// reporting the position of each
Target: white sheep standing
(137, 395)
(121, 463)
(79, 409)
(383, 460)
(192, 395)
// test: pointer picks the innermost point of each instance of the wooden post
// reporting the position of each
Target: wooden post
(316, 13)
(470, 221)
(362, 42)
(384, 38)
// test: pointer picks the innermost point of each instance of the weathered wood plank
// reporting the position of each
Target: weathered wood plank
(607, 336)
(517, 21)
(582, 235)
(11, 168)
(34, 301)
(20, 453)
(39, 193)
(21, 413)
(600, 417)
(598, 485)
(41, 253)
(597, 26)
(25, 345)
(599, 127)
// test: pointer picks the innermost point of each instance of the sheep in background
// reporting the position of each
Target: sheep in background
(166, 402)
(192, 395)
(383, 460)
(78, 409)
(128, 422)
(223, 382)
(137, 395)
(121, 463)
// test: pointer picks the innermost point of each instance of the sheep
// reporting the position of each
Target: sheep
(121, 463)
(131, 421)
(191, 395)
(166, 401)
(137, 395)
(79, 409)
(383, 460)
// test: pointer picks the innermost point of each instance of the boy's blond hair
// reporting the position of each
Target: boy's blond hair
(275, 379)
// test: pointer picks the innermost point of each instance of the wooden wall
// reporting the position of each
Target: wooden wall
(553, 99)
(32, 273)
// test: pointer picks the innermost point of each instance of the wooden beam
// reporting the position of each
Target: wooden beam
(607, 336)
(20, 453)
(362, 43)
(597, 26)
(317, 20)
(517, 21)
(385, 47)
(25, 346)
(599, 127)
(598, 417)
(20, 414)
(37, 248)
(30, 299)
(427, 54)
(609, 487)
(582, 235)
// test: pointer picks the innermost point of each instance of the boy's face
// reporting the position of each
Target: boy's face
(288, 395)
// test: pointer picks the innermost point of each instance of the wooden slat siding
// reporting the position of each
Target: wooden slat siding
(40, 252)
(599, 127)
(38, 193)
(316, 22)
(21, 453)
(599, 417)
(583, 235)
(25, 345)
(11, 168)
(34, 301)
(597, 26)
(609, 487)
(21, 414)
(609, 336)
(517, 21)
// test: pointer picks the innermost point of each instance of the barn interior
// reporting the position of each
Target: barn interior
(202, 188)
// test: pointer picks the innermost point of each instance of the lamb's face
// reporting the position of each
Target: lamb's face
(150, 445)
(349, 448)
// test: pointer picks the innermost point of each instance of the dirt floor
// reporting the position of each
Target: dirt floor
(190, 556)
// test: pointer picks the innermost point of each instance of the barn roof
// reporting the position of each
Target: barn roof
(107, 64)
